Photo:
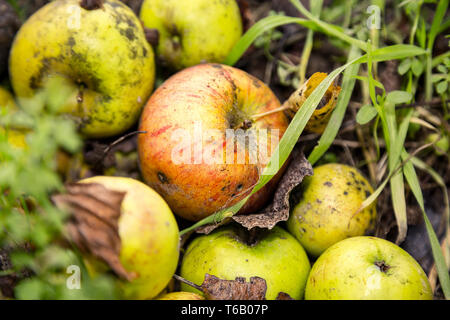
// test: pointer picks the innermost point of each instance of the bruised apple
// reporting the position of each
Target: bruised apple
(207, 139)
(149, 237)
(98, 51)
(194, 31)
(327, 211)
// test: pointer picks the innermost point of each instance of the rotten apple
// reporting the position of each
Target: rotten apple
(208, 138)
(98, 51)
(327, 211)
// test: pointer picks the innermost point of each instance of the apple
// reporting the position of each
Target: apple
(327, 210)
(194, 31)
(181, 295)
(367, 268)
(15, 137)
(191, 152)
(228, 252)
(441, 143)
(149, 236)
(101, 55)
(6, 99)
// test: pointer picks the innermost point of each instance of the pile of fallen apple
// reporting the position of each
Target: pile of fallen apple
(98, 51)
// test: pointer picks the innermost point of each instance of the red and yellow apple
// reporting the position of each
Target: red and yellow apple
(100, 56)
(195, 152)
(149, 237)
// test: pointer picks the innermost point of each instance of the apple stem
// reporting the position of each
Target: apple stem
(91, 4)
(263, 114)
(189, 283)
(116, 142)
(246, 124)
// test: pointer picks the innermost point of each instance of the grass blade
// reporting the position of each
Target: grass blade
(316, 8)
(258, 29)
(441, 266)
(348, 83)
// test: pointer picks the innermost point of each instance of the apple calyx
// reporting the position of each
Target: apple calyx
(382, 266)
(152, 36)
(244, 125)
(91, 4)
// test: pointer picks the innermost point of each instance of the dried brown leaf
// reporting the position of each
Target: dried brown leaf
(215, 288)
(278, 210)
(93, 223)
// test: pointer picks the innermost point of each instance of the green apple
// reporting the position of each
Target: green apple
(441, 143)
(194, 31)
(227, 253)
(327, 210)
(101, 55)
(149, 237)
(367, 268)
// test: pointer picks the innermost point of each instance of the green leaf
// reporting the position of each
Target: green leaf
(441, 87)
(258, 29)
(366, 114)
(398, 97)
(439, 15)
(404, 66)
(417, 67)
(397, 51)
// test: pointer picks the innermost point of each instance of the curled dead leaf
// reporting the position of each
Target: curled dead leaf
(278, 209)
(322, 114)
(215, 288)
(93, 222)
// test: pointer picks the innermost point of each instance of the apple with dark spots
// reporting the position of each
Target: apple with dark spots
(195, 152)
(327, 210)
(231, 252)
(97, 52)
(367, 268)
(194, 31)
(149, 237)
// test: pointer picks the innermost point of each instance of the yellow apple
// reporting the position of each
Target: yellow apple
(194, 31)
(327, 210)
(100, 55)
(367, 268)
(149, 237)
